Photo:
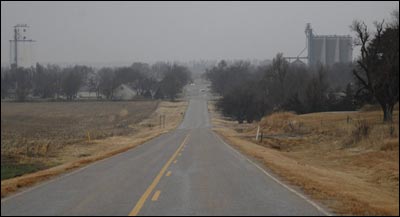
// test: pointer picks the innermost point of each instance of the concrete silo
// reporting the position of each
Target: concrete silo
(328, 49)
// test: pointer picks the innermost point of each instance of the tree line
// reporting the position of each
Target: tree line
(158, 81)
(249, 92)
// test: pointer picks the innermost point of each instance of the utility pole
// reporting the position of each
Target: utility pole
(20, 35)
(15, 47)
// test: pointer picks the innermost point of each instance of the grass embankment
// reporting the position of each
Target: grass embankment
(14, 170)
(130, 125)
(349, 161)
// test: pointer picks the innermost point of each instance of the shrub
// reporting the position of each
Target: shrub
(362, 130)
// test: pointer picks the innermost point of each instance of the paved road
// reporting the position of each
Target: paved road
(186, 172)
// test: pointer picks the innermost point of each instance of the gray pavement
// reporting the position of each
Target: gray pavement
(208, 178)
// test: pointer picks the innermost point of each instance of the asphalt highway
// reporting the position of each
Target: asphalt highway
(189, 171)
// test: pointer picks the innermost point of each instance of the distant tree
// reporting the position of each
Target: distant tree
(107, 82)
(216, 76)
(3, 87)
(239, 86)
(93, 83)
(175, 78)
(142, 68)
(279, 70)
(44, 81)
(130, 76)
(125, 75)
(169, 87)
(23, 83)
(224, 76)
(242, 103)
(6, 82)
(378, 65)
(340, 74)
(315, 92)
(276, 77)
(348, 102)
(58, 76)
(73, 79)
(295, 104)
(158, 70)
(150, 86)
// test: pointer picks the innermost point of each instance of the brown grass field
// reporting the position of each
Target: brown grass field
(53, 137)
(42, 128)
(349, 161)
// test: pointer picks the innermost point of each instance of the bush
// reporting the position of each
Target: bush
(362, 130)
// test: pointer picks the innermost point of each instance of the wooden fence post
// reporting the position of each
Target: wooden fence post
(258, 131)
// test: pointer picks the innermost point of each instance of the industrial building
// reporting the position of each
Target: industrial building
(328, 49)
(21, 51)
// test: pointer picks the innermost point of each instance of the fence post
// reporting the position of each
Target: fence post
(258, 131)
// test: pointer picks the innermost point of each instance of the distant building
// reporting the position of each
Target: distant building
(21, 47)
(328, 49)
(298, 63)
(124, 92)
(86, 94)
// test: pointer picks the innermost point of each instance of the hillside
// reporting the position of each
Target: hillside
(349, 161)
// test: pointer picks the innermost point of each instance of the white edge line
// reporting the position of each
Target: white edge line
(96, 162)
(277, 180)
(65, 175)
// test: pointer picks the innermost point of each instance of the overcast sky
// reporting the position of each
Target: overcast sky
(151, 31)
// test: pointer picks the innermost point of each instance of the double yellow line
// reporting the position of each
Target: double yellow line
(135, 211)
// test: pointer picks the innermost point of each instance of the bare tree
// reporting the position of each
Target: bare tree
(23, 83)
(73, 79)
(280, 69)
(378, 66)
(44, 81)
(275, 79)
(315, 91)
(107, 82)
(93, 83)
(175, 78)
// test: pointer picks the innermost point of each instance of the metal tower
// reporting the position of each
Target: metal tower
(20, 35)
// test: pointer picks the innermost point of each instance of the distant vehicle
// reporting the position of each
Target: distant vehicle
(203, 90)
(192, 84)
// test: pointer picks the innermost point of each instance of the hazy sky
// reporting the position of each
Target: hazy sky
(150, 31)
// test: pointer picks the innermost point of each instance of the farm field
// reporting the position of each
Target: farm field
(36, 136)
(349, 161)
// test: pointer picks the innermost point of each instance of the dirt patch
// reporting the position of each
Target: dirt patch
(351, 176)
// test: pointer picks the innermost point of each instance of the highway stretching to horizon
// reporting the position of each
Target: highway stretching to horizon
(188, 171)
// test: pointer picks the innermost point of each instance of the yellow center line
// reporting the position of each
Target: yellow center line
(156, 196)
(168, 173)
(135, 211)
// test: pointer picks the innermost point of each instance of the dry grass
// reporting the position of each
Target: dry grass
(75, 155)
(331, 156)
(40, 129)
